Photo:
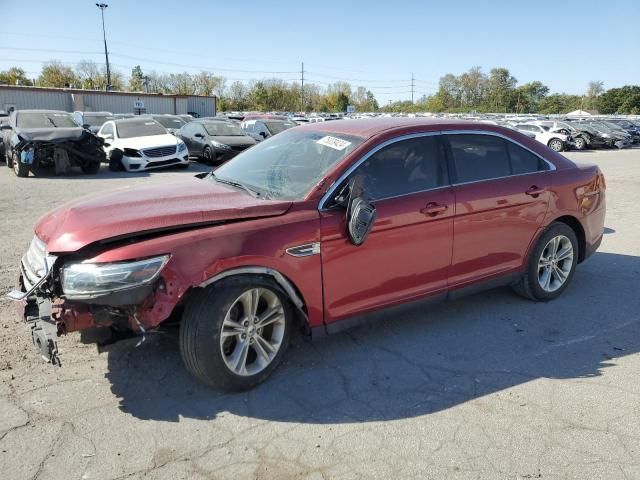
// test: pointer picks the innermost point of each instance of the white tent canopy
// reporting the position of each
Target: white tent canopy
(579, 113)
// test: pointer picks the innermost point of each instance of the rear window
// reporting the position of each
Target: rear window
(141, 128)
(523, 161)
(96, 120)
(170, 122)
(277, 127)
(45, 120)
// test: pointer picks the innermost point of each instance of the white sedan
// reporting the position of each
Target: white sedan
(136, 144)
(557, 142)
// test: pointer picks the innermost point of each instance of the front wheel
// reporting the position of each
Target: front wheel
(208, 155)
(19, 168)
(91, 168)
(234, 335)
(581, 143)
(551, 265)
(556, 144)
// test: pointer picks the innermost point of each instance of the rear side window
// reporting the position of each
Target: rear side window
(523, 161)
(479, 157)
(404, 167)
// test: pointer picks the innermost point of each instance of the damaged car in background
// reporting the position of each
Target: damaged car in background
(36, 140)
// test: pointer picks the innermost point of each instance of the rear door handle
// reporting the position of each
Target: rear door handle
(432, 209)
(534, 191)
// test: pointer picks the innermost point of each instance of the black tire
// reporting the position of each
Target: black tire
(19, 168)
(201, 327)
(9, 157)
(90, 168)
(581, 143)
(115, 161)
(529, 286)
(208, 155)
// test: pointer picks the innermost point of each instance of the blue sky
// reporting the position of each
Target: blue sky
(565, 44)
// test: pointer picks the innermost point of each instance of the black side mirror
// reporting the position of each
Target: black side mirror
(86, 126)
(198, 135)
(263, 134)
(361, 216)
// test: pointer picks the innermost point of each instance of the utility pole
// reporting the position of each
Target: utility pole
(102, 6)
(412, 85)
(302, 88)
(146, 83)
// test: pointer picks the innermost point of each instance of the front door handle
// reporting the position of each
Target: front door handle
(432, 209)
(534, 191)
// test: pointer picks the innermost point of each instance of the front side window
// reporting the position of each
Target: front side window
(107, 130)
(289, 165)
(479, 157)
(402, 168)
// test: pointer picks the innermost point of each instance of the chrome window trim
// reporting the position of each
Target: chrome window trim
(350, 170)
(377, 148)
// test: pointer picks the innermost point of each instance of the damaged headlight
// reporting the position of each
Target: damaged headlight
(81, 279)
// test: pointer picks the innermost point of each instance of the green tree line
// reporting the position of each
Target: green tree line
(473, 91)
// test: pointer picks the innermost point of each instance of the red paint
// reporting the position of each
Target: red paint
(416, 248)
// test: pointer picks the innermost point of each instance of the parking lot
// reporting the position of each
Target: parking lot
(491, 386)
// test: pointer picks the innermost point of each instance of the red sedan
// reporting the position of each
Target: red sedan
(314, 228)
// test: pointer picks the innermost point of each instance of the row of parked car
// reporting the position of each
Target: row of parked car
(33, 140)
(567, 134)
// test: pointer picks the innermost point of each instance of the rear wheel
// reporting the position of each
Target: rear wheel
(233, 335)
(556, 145)
(551, 265)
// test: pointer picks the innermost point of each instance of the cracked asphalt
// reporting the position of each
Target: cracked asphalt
(488, 387)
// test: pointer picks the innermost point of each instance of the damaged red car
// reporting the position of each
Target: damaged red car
(313, 229)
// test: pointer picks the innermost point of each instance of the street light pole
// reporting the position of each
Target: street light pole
(102, 6)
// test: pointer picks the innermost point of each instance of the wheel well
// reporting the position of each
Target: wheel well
(291, 291)
(576, 226)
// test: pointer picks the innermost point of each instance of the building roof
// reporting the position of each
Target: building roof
(96, 92)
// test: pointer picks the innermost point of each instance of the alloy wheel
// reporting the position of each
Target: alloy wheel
(555, 263)
(252, 331)
(556, 145)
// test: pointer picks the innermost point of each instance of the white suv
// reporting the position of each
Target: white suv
(136, 144)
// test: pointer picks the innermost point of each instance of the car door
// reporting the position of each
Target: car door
(199, 139)
(502, 196)
(185, 134)
(407, 254)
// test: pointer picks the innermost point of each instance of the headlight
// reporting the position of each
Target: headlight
(220, 145)
(182, 146)
(131, 152)
(80, 279)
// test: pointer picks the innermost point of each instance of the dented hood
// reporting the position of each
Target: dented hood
(51, 135)
(149, 208)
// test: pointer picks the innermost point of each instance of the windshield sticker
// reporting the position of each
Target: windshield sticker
(333, 142)
(149, 123)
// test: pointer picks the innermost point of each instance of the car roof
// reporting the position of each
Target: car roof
(40, 110)
(369, 127)
(133, 120)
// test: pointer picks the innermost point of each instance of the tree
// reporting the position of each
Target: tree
(593, 91)
(500, 85)
(181, 84)
(529, 96)
(206, 83)
(55, 74)
(136, 81)
(89, 76)
(14, 76)
(624, 100)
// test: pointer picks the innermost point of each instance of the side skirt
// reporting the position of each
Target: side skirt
(357, 320)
